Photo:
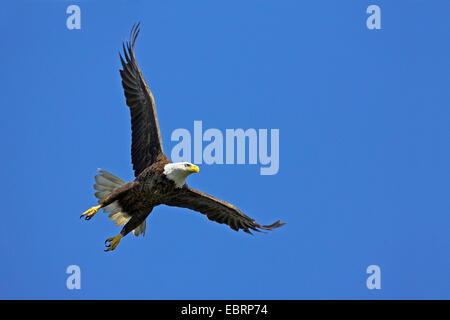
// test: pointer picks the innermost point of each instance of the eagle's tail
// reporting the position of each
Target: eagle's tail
(105, 183)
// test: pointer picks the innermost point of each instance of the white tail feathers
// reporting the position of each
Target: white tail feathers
(105, 183)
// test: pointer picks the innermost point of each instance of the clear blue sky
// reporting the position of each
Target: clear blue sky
(364, 156)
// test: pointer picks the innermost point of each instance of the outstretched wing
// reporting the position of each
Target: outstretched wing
(146, 143)
(217, 210)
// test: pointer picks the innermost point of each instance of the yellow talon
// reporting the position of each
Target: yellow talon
(111, 243)
(90, 212)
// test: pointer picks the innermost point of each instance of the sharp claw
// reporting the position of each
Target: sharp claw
(111, 243)
(88, 214)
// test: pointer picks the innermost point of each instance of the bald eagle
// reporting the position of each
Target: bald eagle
(157, 180)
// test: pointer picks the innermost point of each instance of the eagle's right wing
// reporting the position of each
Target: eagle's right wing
(146, 143)
(217, 210)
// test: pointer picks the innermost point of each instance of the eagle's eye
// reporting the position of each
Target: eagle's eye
(187, 165)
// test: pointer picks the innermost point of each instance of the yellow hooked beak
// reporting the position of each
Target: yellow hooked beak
(194, 169)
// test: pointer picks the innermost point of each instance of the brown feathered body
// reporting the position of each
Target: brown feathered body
(135, 200)
(149, 189)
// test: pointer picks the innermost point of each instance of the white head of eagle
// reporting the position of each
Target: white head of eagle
(178, 172)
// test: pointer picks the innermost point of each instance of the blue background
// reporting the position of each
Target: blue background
(364, 158)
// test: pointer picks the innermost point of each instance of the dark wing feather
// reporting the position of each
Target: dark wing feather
(217, 210)
(146, 143)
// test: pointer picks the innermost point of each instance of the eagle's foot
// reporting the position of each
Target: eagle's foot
(88, 214)
(111, 243)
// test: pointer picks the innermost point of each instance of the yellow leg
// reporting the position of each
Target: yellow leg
(111, 243)
(88, 214)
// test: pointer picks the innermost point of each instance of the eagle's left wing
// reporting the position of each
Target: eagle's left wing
(146, 144)
(217, 210)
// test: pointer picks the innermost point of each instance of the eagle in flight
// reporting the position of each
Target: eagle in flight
(157, 180)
